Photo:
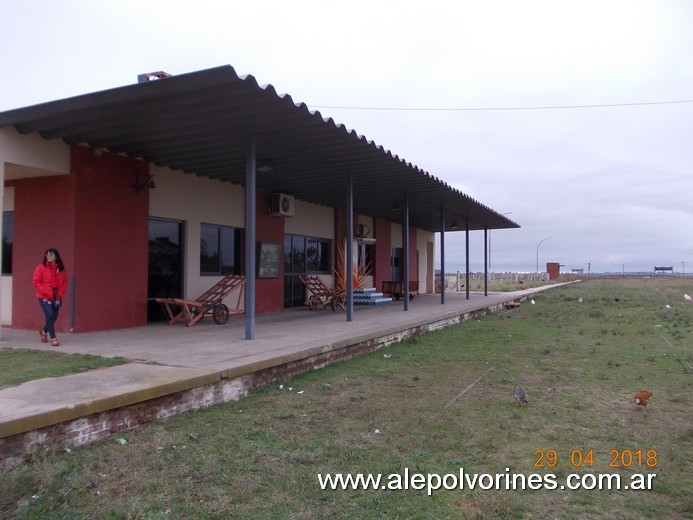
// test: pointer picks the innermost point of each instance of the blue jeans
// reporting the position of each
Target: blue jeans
(51, 314)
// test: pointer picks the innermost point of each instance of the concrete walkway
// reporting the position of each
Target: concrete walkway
(167, 359)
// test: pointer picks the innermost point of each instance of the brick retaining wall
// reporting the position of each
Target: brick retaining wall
(23, 446)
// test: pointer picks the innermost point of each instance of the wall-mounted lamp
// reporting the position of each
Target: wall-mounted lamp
(395, 207)
(266, 165)
(140, 186)
(361, 231)
(453, 226)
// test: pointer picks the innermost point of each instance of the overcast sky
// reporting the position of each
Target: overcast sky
(611, 186)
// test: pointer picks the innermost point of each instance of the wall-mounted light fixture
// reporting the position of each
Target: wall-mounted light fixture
(361, 231)
(453, 226)
(141, 185)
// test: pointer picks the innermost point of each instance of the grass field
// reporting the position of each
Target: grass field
(432, 405)
(20, 365)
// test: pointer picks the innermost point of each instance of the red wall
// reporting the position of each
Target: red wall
(111, 241)
(93, 217)
(43, 218)
(383, 252)
(269, 292)
(413, 257)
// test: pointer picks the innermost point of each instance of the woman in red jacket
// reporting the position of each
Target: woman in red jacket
(50, 281)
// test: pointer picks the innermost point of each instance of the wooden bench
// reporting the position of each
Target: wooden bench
(395, 289)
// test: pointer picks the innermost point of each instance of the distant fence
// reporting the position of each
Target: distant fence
(455, 282)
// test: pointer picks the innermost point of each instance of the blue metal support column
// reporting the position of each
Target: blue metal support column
(250, 224)
(442, 257)
(350, 248)
(485, 261)
(466, 255)
(405, 256)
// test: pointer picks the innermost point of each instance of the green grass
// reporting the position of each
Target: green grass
(20, 365)
(581, 363)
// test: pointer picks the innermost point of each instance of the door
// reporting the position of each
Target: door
(165, 264)
(397, 260)
(294, 265)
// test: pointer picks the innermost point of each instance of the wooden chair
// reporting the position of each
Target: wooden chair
(192, 311)
(320, 294)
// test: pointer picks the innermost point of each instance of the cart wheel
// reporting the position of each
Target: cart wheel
(220, 314)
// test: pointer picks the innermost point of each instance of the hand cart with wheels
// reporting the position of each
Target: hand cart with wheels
(209, 303)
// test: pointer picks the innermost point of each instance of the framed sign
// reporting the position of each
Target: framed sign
(269, 257)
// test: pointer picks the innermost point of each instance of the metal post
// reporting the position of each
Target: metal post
(405, 256)
(466, 247)
(250, 224)
(350, 247)
(540, 243)
(442, 256)
(73, 303)
(485, 262)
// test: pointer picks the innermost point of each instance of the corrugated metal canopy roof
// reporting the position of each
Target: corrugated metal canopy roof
(200, 123)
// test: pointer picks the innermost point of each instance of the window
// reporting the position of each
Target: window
(307, 255)
(7, 241)
(220, 250)
(303, 255)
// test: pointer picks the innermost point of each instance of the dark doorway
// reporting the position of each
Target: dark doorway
(397, 262)
(165, 264)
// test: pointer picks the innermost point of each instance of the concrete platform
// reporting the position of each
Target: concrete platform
(167, 359)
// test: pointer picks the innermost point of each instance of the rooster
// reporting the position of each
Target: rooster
(641, 398)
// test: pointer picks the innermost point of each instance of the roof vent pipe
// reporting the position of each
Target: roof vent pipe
(152, 76)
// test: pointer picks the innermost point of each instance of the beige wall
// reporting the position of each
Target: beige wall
(315, 221)
(6, 281)
(31, 155)
(311, 220)
(422, 240)
(23, 156)
(195, 200)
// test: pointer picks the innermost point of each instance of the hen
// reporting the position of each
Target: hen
(641, 398)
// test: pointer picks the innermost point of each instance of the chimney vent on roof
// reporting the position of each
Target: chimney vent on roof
(152, 76)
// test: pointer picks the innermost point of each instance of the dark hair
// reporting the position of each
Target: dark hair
(58, 260)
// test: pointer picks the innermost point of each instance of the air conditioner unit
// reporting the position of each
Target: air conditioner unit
(282, 205)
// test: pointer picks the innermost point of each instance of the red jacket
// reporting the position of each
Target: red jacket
(46, 278)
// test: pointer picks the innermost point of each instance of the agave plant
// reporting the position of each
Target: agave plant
(360, 274)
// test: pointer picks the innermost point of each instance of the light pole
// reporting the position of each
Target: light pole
(489, 242)
(540, 243)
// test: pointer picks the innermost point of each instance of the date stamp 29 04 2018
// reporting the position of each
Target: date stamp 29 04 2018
(626, 458)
